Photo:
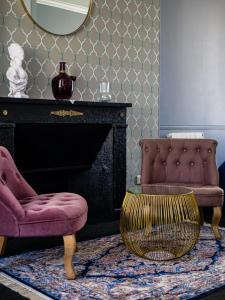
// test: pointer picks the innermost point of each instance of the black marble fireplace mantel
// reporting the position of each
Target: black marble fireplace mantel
(76, 147)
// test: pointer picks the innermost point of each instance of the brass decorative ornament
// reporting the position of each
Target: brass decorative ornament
(5, 112)
(161, 225)
(67, 113)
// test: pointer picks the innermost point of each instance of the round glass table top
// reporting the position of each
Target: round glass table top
(159, 189)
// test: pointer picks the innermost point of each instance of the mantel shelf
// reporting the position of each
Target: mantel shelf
(63, 102)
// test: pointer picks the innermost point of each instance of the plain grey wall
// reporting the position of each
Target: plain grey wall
(192, 75)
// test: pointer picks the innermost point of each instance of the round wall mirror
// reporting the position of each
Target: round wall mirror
(58, 16)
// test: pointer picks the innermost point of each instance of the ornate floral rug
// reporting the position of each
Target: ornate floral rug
(107, 270)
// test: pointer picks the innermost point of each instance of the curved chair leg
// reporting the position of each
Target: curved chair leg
(217, 213)
(3, 241)
(69, 249)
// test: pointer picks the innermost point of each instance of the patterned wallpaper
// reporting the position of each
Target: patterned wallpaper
(118, 43)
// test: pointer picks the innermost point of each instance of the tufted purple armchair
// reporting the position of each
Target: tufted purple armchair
(184, 162)
(23, 213)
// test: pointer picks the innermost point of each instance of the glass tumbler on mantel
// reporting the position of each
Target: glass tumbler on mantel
(104, 94)
(62, 84)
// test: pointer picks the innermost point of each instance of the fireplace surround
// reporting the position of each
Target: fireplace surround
(77, 147)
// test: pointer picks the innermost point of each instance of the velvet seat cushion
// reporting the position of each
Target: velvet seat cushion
(206, 195)
(52, 214)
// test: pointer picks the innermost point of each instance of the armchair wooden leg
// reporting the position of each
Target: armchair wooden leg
(69, 249)
(217, 213)
(3, 241)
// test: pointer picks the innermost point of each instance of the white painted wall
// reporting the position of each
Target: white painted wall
(192, 63)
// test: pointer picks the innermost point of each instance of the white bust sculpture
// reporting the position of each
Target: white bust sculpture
(16, 75)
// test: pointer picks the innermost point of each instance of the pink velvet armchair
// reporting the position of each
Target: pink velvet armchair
(184, 162)
(23, 213)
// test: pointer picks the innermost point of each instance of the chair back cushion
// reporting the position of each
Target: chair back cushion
(13, 186)
(179, 160)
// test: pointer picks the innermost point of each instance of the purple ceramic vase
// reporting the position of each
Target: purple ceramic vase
(62, 84)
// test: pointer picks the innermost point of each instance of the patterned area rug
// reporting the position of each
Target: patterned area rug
(106, 270)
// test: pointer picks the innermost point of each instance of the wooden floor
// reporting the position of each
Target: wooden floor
(7, 294)
(11, 288)
(218, 295)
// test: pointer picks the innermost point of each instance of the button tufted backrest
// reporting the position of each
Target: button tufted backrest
(13, 186)
(179, 160)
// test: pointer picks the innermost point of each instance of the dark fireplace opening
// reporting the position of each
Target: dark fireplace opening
(52, 147)
(74, 158)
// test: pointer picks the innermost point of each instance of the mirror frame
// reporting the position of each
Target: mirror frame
(60, 34)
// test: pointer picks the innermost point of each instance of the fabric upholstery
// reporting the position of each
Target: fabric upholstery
(24, 213)
(53, 210)
(182, 162)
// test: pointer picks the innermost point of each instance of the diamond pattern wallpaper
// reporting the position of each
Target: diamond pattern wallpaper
(119, 43)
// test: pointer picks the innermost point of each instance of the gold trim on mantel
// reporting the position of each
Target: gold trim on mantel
(66, 113)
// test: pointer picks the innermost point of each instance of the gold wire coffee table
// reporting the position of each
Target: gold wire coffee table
(162, 224)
